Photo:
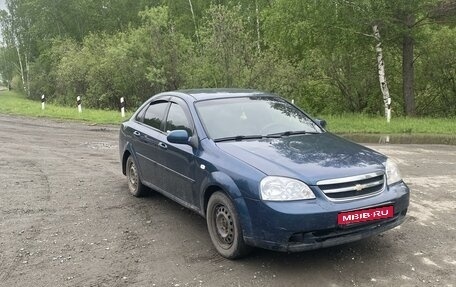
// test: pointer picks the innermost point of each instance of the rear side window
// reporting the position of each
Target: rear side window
(177, 120)
(154, 114)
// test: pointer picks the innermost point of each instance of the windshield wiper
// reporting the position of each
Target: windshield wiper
(239, 138)
(273, 135)
(288, 133)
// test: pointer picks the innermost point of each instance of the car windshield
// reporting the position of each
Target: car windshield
(252, 117)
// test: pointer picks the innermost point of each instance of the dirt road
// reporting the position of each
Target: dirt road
(67, 220)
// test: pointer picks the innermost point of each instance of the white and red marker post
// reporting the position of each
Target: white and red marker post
(78, 101)
(122, 107)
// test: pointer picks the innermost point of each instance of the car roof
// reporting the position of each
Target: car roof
(204, 94)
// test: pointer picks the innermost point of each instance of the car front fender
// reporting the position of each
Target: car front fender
(220, 181)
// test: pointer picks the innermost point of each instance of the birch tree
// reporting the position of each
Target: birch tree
(381, 74)
(194, 21)
(407, 18)
(331, 56)
(16, 34)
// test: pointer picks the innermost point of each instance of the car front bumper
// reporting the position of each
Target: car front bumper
(305, 225)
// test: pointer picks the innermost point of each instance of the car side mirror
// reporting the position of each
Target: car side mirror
(321, 123)
(178, 137)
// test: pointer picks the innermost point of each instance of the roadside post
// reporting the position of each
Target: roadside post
(388, 110)
(43, 100)
(122, 107)
(78, 101)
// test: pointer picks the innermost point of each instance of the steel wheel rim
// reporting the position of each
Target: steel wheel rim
(133, 178)
(224, 225)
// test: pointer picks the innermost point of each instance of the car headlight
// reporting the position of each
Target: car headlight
(392, 172)
(277, 188)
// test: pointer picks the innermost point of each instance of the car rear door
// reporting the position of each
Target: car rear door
(148, 135)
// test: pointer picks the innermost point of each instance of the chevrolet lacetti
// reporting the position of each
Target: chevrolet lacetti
(260, 170)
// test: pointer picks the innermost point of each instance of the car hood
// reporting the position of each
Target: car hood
(310, 157)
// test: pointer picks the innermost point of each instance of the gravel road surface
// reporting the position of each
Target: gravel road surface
(67, 219)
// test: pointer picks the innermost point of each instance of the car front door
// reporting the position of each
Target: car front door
(180, 160)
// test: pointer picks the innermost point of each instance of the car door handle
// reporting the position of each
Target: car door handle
(162, 145)
(136, 133)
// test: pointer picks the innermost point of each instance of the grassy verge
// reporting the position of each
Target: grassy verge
(357, 123)
(16, 104)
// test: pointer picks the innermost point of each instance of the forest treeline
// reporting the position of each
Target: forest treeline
(321, 53)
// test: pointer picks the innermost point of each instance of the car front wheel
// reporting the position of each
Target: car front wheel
(224, 227)
(135, 185)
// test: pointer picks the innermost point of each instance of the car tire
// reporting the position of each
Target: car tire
(135, 185)
(224, 227)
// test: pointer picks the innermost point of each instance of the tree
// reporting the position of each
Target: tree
(226, 51)
(409, 17)
(334, 47)
(327, 55)
(15, 33)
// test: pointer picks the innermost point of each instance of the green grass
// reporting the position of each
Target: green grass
(359, 123)
(16, 104)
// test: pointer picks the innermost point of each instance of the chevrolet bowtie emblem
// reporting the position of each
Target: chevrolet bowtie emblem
(359, 187)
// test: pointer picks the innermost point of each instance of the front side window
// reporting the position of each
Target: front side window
(140, 115)
(155, 113)
(177, 120)
(256, 115)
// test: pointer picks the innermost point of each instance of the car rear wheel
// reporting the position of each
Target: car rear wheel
(224, 227)
(135, 185)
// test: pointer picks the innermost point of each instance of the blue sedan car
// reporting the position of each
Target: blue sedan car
(260, 170)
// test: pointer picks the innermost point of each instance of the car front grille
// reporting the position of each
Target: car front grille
(354, 186)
